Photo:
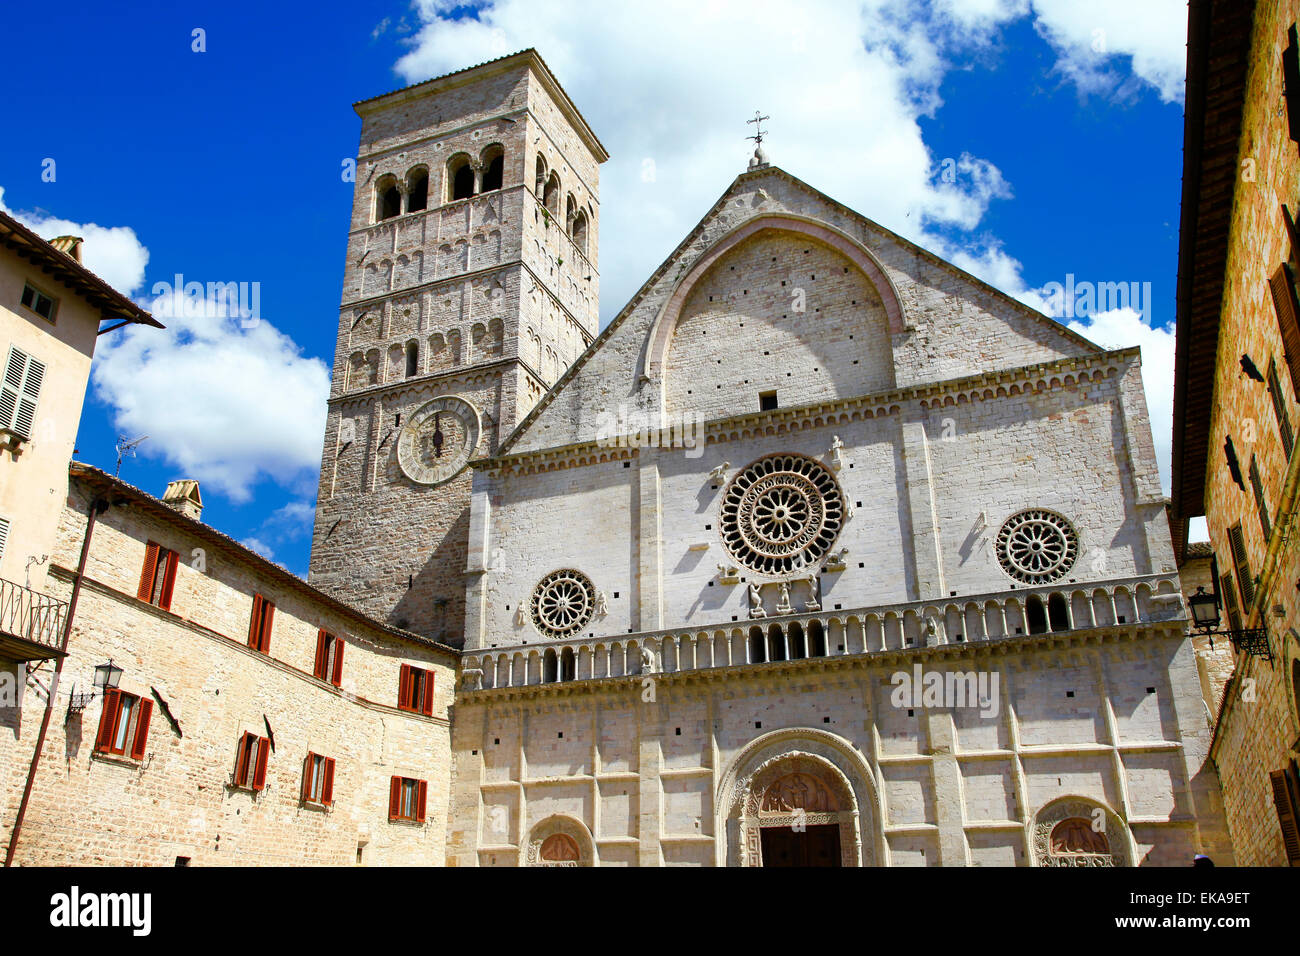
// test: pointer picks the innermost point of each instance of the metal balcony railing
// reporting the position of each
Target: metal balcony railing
(31, 623)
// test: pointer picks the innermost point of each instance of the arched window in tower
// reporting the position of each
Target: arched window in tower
(570, 213)
(551, 198)
(417, 189)
(460, 177)
(580, 232)
(494, 165)
(539, 184)
(388, 199)
(412, 359)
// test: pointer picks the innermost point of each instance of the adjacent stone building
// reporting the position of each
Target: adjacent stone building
(1237, 396)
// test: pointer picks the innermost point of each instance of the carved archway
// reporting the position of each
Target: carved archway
(1077, 831)
(559, 841)
(661, 333)
(798, 778)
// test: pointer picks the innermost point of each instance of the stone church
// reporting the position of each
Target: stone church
(822, 552)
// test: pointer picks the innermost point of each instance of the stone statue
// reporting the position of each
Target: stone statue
(934, 631)
(521, 616)
(837, 557)
(719, 473)
(602, 603)
(837, 453)
(648, 664)
(471, 678)
(728, 572)
(784, 606)
(814, 594)
(756, 601)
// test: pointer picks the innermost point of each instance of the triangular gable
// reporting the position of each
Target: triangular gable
(611, 376)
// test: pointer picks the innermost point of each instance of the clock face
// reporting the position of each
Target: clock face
(438, 440)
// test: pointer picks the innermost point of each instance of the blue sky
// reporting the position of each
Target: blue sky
(1024, 140)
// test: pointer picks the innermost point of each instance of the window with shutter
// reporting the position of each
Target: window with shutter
(19, 392)
(407, 799)
(1230, 602)
(1286, 797)
(158, 577)
(259, 626)
(1234, 466)
(4, 536)
(318, 780)
(329, 658)
(123, 725)
(1241, 563)
(1261, 505)
(251, 758)
(1279, 409)
(1291, 83)
(415, 690)
(1282, 287)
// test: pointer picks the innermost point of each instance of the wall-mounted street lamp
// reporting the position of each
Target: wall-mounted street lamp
(1205, 618)
(107, 677)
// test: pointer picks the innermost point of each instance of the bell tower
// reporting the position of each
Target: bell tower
(470, 285)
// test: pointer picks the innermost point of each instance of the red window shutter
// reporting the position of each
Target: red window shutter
(327, 789)
(145, 590)
(108, 719)
(255, 624)
(241, 761)
(263, 751)
(306, 775)
(169, 581)
(404, 688)
(337, 677)
(142, 729)
(427, 703)
(420, 789)
(322, 643)
(268, 610)
(395, 798)
(1282, 286)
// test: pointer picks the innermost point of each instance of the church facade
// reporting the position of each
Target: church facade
(823, 552)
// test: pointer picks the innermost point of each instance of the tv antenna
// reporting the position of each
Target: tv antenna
(126, 448)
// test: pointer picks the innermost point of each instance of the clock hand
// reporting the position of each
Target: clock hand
(437, 434)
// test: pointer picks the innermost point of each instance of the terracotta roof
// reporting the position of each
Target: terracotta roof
(62, 267)
(529, 55)
(285, 579)
(1199, 549)
(1218, 50)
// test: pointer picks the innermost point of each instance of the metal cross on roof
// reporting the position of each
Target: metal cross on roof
(758, 127)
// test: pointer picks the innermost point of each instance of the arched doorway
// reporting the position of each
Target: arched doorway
(1076, 831)
(559, 841)
(798, 798)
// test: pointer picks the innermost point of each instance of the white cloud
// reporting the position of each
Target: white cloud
(221, 403)
(670, 84)
(114, 253)
(1088, 37)
(257, 546)
(1105, 47)
(844, 87)
(1123, 328)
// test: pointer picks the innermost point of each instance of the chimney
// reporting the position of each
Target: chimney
(183, 495)
(70, 245)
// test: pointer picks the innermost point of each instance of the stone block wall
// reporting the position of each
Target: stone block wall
(88, 808)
